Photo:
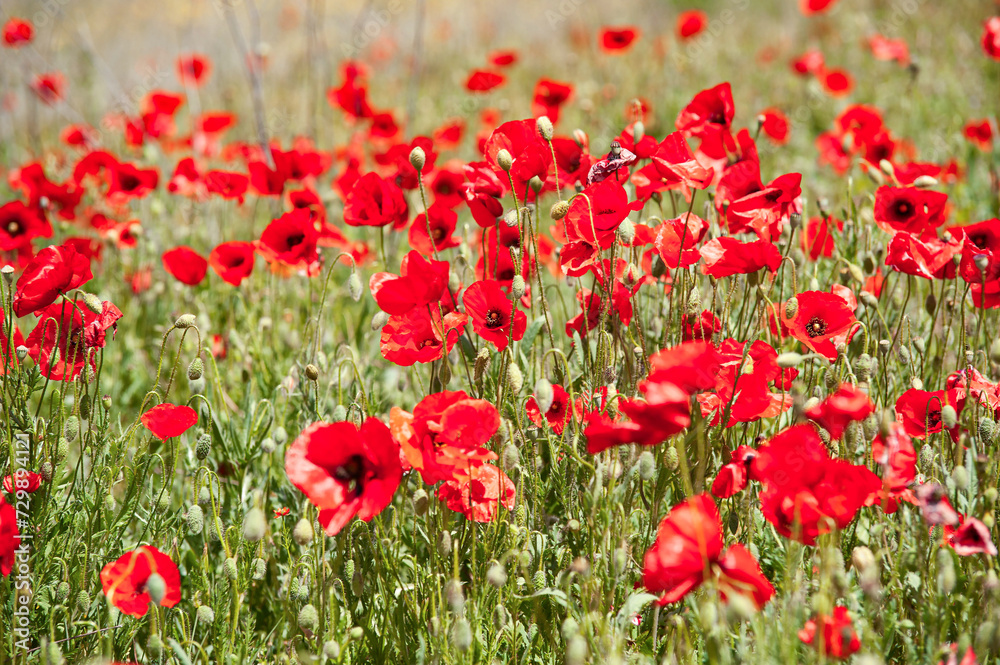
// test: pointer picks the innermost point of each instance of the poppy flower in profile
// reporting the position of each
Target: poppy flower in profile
(818, 238)
(232, 261)
(54, 270)
(775, 125)
(893, 452)
(810, 7)
(972, 537)
(847, 405)
(352, 95)
(478, 495)
(735, 474)
(676, 164)
(503, 58)
(726, 256)
(549, 98)
(186, 265)
(492, 313)
(991, 38)
(345, 471)
(689, 549)
(765, 211)
(835, 632)
(374, 201)
(691, 23)
(49, 87)
(810, 62)
(484, 80)
(17, 33)
(979, 133)
(837, 82)
(709, 117)
(433, 230)
(289, 243)
(619, 39)
(884, 48)
(930, 258)
(125, 581)
(193, 69)
(672, 233)
(909, 209)
(227, 184)
(558, 414)
(9, 537)
(22, 481)
(167, 421)
(821, 322)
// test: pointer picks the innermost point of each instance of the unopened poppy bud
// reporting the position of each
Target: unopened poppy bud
(544, 395)
(501, 617)
(559, 210)
(903, 355)
(195, 519)
(185, 321)
(259, 568)
(418, 158)
(303, 532)
(982, 262)
(331, 650)
(280, 436)
(925, 182)
(22, 352)
(82, 601)
(576, 651)
(461, 634)
(789, 359)
(8, 274)
(230, 568)
(496, 575)
(862, 558)
(626, 231)
(638, 131)
(791, 307)
(105, 401)
(987, 430)
(312, 372)
(354, 287)
(538, 579)
(204, 446)
(265, 323)
(515, 380)
(536, 184)
(517, 287)
(444, 544)
(254, 525)
(544, 127)
(154, 647)
(511, 456)
(886, 167)
(420, 502)
(267, 446)
(960, 476)
(991, 495)
(672, 458)
(920, 345)
(482, 360)
(379, 319)
(511, 219)
(647, 466)
(308, 616)
(62, 591)
(946, 578)
(869, 300)
(453, 594)
(156, 587)
(205, 614)
(93, 303)
(504, 160)
(71, 428)
(948, 416)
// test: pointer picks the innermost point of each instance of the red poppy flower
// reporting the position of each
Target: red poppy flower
(709, 117)
(194, 69)
(19, 225)
(930, 258)
(446, 435)
(531, 155)
(691, 23)
(810, 62)
(972, 537)
(991, 38)
(700, 327)
(775, 125)
(735, 474)
(810, 7)
(909, 209)
(232, 261)
(894, 453)
(9, 538)
(822, 321)
(478, 495)
(54, 270)
(836, 82)
(492, 313)
(764, 211)
(17, 33)
(618, 40)
(186, 265)
(289, 243)
(549, 98)
(676, 164)
(558, 414)
(727, 256)
(374, 201)
(420, 336)
(849, 404)
(227, 184)
(420, 282)
(837, 634)
(129, 181)
(167, 421)
(22, 481)
(743, 387)
(49, 87)
(439, 234)
(979, 133)
(124, 581)
(484, 80)
(688, 550)
(817, 238)
(688, 229)
(352, 95)
(502, 58)
(345, 471)
(447, 187)
(884, 48)
(920, 410)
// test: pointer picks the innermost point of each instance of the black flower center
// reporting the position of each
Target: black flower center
(14, 227)
(494, 319)
(816, 327)
(351, 473)
(903, 208)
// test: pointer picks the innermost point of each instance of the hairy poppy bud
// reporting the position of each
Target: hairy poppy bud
(204, 446)
(576, 650)
(308, 616)
(62, 591)
(259, 569)
(444, 544)
(626, 231)
(960, 477)
(205, 614)
(71, 428)
(420, 502)
(511, 456)
(379, 319)
(303, 532)
(517, 287)
(886, 167)
(195, 369)
(339, 413)
(418, 158)
(791, 307)
(903, 355)
(185, 321)
(280, 436)
(331, 650)
(995, 350)
(93, 303)
(789, 359)
(453, 594)
(647, 466)
(501, 617)
(195, 519)
(496, 575)
(545, 128)
(504, 159)
(544, 395)
(461, 634)
(82, 601)
(925, 181)
(559, 210)
(312, 372)
(538, 579)
(987, 430)
(515, 380)
(354, 286)
(154, 647)
(672, 458)
(156, 587)
(482, 360)
(254, 525)
(230, 568)
(267, 446)
(946, 571)
(948, 416)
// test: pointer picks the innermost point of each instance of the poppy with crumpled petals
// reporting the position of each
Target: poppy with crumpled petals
(848, 404)
(420, 282)
(484, 80)
(549, 98)
(530, 154)
(416, 335)
(478, 495)
(558, 414)
(691, 23)
(166, 421)
(726, 256)
(374, 201)
(991, 37)
(124, 581)
(432, 231)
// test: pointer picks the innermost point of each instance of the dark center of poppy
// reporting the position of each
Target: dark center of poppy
(903, 208)
(430, 341)
(816, 327)
(351, 473)
(14, 227)
(437, 234)
(717, 118)
(128, 182)
(979, 240)
(294, 239)
(494, 319)
(933, 418)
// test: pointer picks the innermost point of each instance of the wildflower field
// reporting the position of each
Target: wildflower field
(528, 332)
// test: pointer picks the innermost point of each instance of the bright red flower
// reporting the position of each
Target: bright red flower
(672, 233)
(186, 265)
(909, 209)
(531, 155)
(764, 211)
(884, 48)
(688, 550)
(232, 261)
(894, 453)
(54, 270)
(484, 80)
(810, 62)
(290, 243)
(618, 40)
(439, 236)
(345, 471)
(19, 225)
(837, 634)
(930, 258)
(549, 98)
(421, 282)
(700, 326)
(558, 414)
(492, 313)
(374, 201)
(836, 82)
(735, 474)
(129, 181)
(22, 481)
(691, 23)
(17, 33)
(49, 87)
(227, 184)
(193, 69)
(919, 411)
(968, 659)
(709, 117)
(972, 537)
(478, 495)
(352, 95)
(502, 58)
(726, 256)
(822, 321)
(9, 537)
(420, 336)
(677, 165)
(979, 133)
(124, 581)
(775, 125)
(810, 7)
(849, 404)
(167, 421)
(991, 38)
(818, 238)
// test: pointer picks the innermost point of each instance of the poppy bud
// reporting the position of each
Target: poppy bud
(517, 287)
(71, 428)
(93, 303)
(482, 360)
(259, 569)
(205, 614)
(501, 617)
(544, 395)
(521, 514)
(925, 182)
(195, 369)
(22, 353)
(356, 633)
(8, 274)
(987, 430)
(82, 601)
(576, 651)
(312, 372)
(672, 458)
(379, 319)
(497, 574)
(886, 167)
(303, 532)
(626, 231)
(354, 286)
(105, 400)
(185, 321)
(544, 127)
(504, 159)
(420, 502)
(647, 466)
(156, 587)
(946, 572)
(280, 436)
(62, 591)
(789, 359)
(308, 617)
(538, 579)
(791, 307)
(418, 158)
(960, 477)
(331, 650)
(453, 594)
(948, 416)
(444, 544)
(461, 634)
(195, 519)
(559, 210)
(254, 525)
(511, 219)
(339, 413)
(229, 567)
(515, 380)
(535, 184)
(154, 647)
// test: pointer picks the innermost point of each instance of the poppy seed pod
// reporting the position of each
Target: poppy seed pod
(8, 274)
(544, 127)
(185, 321)
(791, 307)
(987, 430)
(195, 519)
(308, 616)
(544, 395)
(517, 287)
(418, 158)
(205, 614)
(312, 372)
(379, 319)
(303, 532)
(254, 525)
(504, 159)
(559, 210)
